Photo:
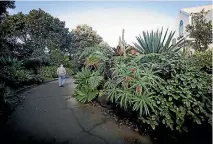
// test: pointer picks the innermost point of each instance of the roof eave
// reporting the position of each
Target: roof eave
(182, 11)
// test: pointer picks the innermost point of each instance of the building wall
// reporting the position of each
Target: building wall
(185, 18)
(209, 16)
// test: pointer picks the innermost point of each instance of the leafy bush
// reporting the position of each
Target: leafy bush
(17, 78)
(34, 64)
(88, 82)
(9, 61)
(50, 72)
(45, 61)
(57, 57)
(95, 57)
(69, 71)
(202, 60)
(167, 90)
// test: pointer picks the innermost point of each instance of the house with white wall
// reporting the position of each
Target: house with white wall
(185, 18)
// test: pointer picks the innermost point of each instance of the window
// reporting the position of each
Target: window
(181, 28)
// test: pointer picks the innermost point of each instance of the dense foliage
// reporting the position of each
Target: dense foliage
(152, 81)
(82, 36)
(32, 46)
(158, 88)
(4, 5)
(36, 31)
(88, 83)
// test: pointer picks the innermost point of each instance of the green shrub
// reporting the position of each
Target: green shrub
(45, 61)
(184, 98)
(9, 61)
(69, 71)
(33, 64)
(50, 72)
(87, 85)
(163, 89)
(57, 57)
(202, 60)
(17, 78)
(167, 90)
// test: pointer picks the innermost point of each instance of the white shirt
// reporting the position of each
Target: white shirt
(61, 71)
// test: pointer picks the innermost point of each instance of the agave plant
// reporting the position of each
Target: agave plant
(156, 42)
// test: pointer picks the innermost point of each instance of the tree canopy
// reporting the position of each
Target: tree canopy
(83, 36)
(37, 30)
(4, 5)
(201, 30)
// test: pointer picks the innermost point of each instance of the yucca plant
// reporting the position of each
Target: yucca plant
(156, 42)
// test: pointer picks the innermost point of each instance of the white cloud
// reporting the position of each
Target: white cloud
(110, 22)
(11, 11)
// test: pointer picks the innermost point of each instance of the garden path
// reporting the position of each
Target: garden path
(50, 114)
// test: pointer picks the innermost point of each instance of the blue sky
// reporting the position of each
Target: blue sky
(169, 7)
(108, 18)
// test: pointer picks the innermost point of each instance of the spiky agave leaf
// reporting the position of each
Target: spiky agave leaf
(155, 42)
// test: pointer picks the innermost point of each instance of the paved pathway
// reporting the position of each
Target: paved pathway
(50, 114)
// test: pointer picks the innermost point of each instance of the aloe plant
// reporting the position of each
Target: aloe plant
(130, 85)
(156, 42)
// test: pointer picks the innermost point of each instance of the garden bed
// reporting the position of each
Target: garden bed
(196, 135)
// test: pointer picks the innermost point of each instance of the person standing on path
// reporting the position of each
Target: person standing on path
(61, 72)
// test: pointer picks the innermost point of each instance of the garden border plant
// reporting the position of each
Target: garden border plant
(162, 90)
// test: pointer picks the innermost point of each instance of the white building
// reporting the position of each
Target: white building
(185, 18)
